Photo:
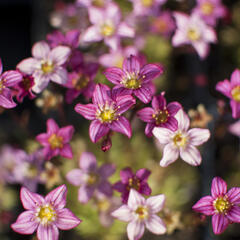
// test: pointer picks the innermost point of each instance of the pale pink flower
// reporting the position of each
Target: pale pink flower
(46, 65)
(193, 30)
(181, 142)
(45, 215)
(141, 213)
(235, 128)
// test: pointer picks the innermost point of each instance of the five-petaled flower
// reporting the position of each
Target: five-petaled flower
(231, 89)
(160, 115)
(56, 140)
(134, 78)
(90, 178)
(193, 30)
(106, 112)
(222, 205)
(8, 79)
(46, 215)
(46, 65)
(130, 180)
(181, 142)
(141, 212)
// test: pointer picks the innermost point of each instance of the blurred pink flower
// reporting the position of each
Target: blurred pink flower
(46, 65)
(45, 215)
(56, 140)
(141, 213)
(193, 30)
(235, 128)
(181, 142)
(90, 178)
(222, 205)
(231, 89)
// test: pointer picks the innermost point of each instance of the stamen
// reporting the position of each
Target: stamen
(147, 3)
(236, 93)
(47, 67)
(92, 178)
(55, 141)
(80, 82)
(221, 205)
(142, 212)
(133, 183)
(193, 34)
(107, 29)
(46, 214)
(207, 8)
(161, 116)
(180, 140)
(132, 81)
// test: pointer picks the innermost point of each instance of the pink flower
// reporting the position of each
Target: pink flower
(181, 142)
(210, 10)
(235, 128)
(105, 112)
(107, 26)
(46, 65)
(231, 89)
(56, 140)
(46, 215)
(90, 178)
(8, 79)
(160, 115)
(141, 213)
(130, 180)
(193, 30)
(222, 205)
(134, 78)
(93, 3)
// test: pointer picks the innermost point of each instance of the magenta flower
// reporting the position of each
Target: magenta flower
(231, 89)
(90, 178)
(107, 26)
(8, 79)
(24, 87)
(141, 213)
(105, 112)
(160, 115)
(181, 142)
(46, 215)
(56, 140)
(193, 30)
(81, 82)
(130, 180)
(210, 10)
(134, 78)
(46, 65)
(93, 3)
(222, 205)
(235, 128)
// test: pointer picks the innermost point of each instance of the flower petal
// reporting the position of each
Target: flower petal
(156, 203)
(235, 109)
(57, 197)
(234, 195)
(219, 187)
(131, 64)
(40, 50)
(43, 139)
(234, 214)
(173, 108)
(6, 100)
(59, 75)
(11, 78)
(66, 219)
(219, 223)
(204, 206)
(150, 72)
(124, 103)
(30, 200)
(40, 82)
(123, 213)
(28, 65)
(143, 174)
(105, 188)
(59, 55)
(149, 128)
(224, 87)
(162, 134)
(66, 133)
(125, 31)
(122, 125)
(146, 114)
(25, 223)
(85, 193)
(170, 155)
(191, 155)
(114, 74)
(135, 199)
(47, 232)
(135, 230)
(145, 189)
(183, 120)
(198, 136)
(66, 151)
(126, 174)
(92, 34)
(171, 124)
(88, 162)
(88, 111)
(76, 177)
(202, 48)
(106, 170)
(101, 94)
(52, 126)
(96, 15)
(155, 225)
(97, 130)
(235, 78)
(143, 93)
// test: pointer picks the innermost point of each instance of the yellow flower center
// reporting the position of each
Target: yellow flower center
(92, 178)
(1, 86)
(147, 3)
(47, 67)
(103, 205)
(80, 82)
(161, 117)
(132, 81)
(142, 212)
(207, 8)
(55, 141)
(98, 3)
(106, 114)
(222, 205)
(107, 29)
(179, 140)
(133, 183)
(236, 93)
(46, 214)
(193, 34)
